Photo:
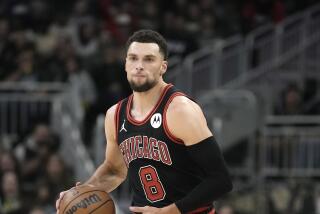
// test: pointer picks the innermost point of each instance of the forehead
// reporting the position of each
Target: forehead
(143, 49)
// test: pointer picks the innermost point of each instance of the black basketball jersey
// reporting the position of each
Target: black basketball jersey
(160, 170)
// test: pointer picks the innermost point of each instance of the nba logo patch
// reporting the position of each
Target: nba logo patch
(156, 120)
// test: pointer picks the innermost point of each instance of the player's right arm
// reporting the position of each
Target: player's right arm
(113, 171)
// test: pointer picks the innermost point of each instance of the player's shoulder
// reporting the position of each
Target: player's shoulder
(111, 114)
(112, 110)
(109, 121)
(186, 121)
(182, 105)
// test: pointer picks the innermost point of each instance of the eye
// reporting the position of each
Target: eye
(149, 59)
(132, 58)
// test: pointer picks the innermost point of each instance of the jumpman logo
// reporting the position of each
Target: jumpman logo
(122, 127)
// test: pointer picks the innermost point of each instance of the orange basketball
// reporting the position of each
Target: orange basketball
(86, 199)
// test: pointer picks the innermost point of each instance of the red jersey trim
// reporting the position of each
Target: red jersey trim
(139, 123)
(165, 125)
(201, 209)
(116, 118)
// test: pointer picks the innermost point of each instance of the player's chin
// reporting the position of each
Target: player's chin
(140, 82)
(138, 86)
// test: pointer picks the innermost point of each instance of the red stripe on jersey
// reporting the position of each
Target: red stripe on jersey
(165, 125)
(116, 118)
(129, 104)
(201, 209)
(212, 211)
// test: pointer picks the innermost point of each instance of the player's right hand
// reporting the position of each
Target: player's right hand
(61, 197)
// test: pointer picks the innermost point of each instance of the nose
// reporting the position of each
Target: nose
(139, 66)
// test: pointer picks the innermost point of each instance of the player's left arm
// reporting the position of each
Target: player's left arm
(187, 122)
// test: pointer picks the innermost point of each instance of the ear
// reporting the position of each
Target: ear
(125, 65)
(163, 67)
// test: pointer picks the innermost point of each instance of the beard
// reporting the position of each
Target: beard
(142, 87)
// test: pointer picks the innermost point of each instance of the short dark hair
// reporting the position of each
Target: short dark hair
(149, 36)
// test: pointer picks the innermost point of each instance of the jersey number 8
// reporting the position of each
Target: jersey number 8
(151, 183)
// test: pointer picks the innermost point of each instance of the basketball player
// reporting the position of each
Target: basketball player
(159, 138)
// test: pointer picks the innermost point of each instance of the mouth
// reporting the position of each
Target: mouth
(139, 75)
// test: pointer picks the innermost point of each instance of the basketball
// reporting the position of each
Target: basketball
(86, 199)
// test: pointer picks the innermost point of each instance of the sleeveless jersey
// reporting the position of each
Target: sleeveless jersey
(160, 169)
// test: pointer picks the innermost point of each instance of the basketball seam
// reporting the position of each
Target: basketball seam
(79, 196)
(100, 206)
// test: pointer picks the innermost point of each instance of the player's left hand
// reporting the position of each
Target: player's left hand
(171, 209)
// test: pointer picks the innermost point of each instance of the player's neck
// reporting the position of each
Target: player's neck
(143, 102)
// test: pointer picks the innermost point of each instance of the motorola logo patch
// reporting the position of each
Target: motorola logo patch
(156, 120)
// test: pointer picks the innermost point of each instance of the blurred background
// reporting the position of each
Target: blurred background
(253, 65)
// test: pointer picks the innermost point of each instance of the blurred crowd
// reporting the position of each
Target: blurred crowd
(42, 40)
(299, 99)
(82, 42)
(282, 196)
(32, 173)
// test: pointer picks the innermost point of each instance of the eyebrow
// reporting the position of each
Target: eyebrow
(148, 55)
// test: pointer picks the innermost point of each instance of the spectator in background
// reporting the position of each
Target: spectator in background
(278, 11)
(43, 197)
(192, 19)
(80, 12)
(53, 65)
(279, 199)
(58, 177)
(207, 6)
(180, 41)
(18, 56)
(33, 153)
(208, 30)
(150, 15)
(4, 41)
(85, 39)
(290, 101)
(40, 16)
(125, 20)
(308, 202)
(81, 82)
(248, 16)
(10, 199)
(39, 210)
(8, 163)
(26, 67)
